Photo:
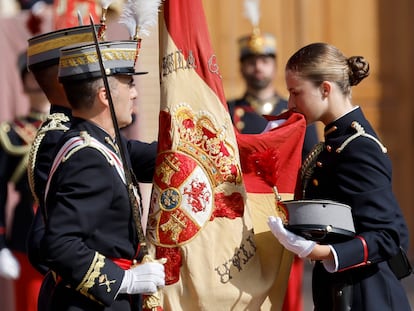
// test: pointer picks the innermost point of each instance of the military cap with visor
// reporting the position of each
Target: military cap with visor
(44, 50)
(79, 62)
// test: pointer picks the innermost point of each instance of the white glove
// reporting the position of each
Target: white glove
(9, 266)
(145, 278)
(289, 240)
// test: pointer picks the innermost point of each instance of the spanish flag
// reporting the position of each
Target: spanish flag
(200, 216)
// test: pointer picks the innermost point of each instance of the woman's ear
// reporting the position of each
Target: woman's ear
(325, 88)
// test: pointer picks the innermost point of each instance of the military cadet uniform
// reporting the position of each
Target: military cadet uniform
(15, 140)
(43, 52)
(90, 235)
(352, 167)
(98, 220)
(59, 121)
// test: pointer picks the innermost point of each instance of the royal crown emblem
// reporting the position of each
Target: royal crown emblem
(189, 176)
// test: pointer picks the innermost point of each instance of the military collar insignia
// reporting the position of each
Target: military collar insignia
(262, 106)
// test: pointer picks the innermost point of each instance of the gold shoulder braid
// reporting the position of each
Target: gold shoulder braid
(308, 165)
(8, 146)
(360, 131)
(26, 131)
(54, 122)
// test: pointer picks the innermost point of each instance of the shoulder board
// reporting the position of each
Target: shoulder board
(8, 146)
(360, 132)
(26, 130)
(54, 122)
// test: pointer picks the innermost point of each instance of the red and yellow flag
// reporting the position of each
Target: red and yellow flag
(68, 12)
(199, 217)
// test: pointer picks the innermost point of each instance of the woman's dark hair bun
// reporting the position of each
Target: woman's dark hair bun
(358, 69)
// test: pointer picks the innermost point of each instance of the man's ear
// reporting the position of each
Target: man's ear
(102, 95)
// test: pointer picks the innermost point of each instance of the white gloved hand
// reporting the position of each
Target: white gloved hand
(145, 278)
(289, 240)
(9, 266)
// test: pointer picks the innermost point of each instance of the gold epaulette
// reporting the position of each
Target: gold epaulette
(54, 122)
(26, 131)
(8, 146)
(87, 142)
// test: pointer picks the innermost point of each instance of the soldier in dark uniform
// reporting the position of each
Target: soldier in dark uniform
(258, 69)
(43, 63)
(16, 137)
(350, 167)
(90, 241)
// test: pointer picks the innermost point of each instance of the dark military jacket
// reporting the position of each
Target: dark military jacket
(42, 155)
(89, 224)
(246, 118)
(40, 159)
(16, 138)
(353, 168)
(142, 156)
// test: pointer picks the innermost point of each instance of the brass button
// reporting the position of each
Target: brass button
(329, 148)
(240, 125)
(319, 164)
(239, 112)
(315, 182)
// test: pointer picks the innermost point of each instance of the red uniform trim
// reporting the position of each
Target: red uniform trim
(364, 245)
(365, 260)
(123, 263)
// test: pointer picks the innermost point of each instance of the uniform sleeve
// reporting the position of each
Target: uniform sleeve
(41, 167)
(34, 236)
(364, 176)
(8, 164)
(143, 157)
(78, 200)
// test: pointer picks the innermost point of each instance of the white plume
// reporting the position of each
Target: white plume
(105, 3)
(139, 16)
(252, 11)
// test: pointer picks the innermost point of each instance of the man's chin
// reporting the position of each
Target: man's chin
(260, 84)
(127, 123)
